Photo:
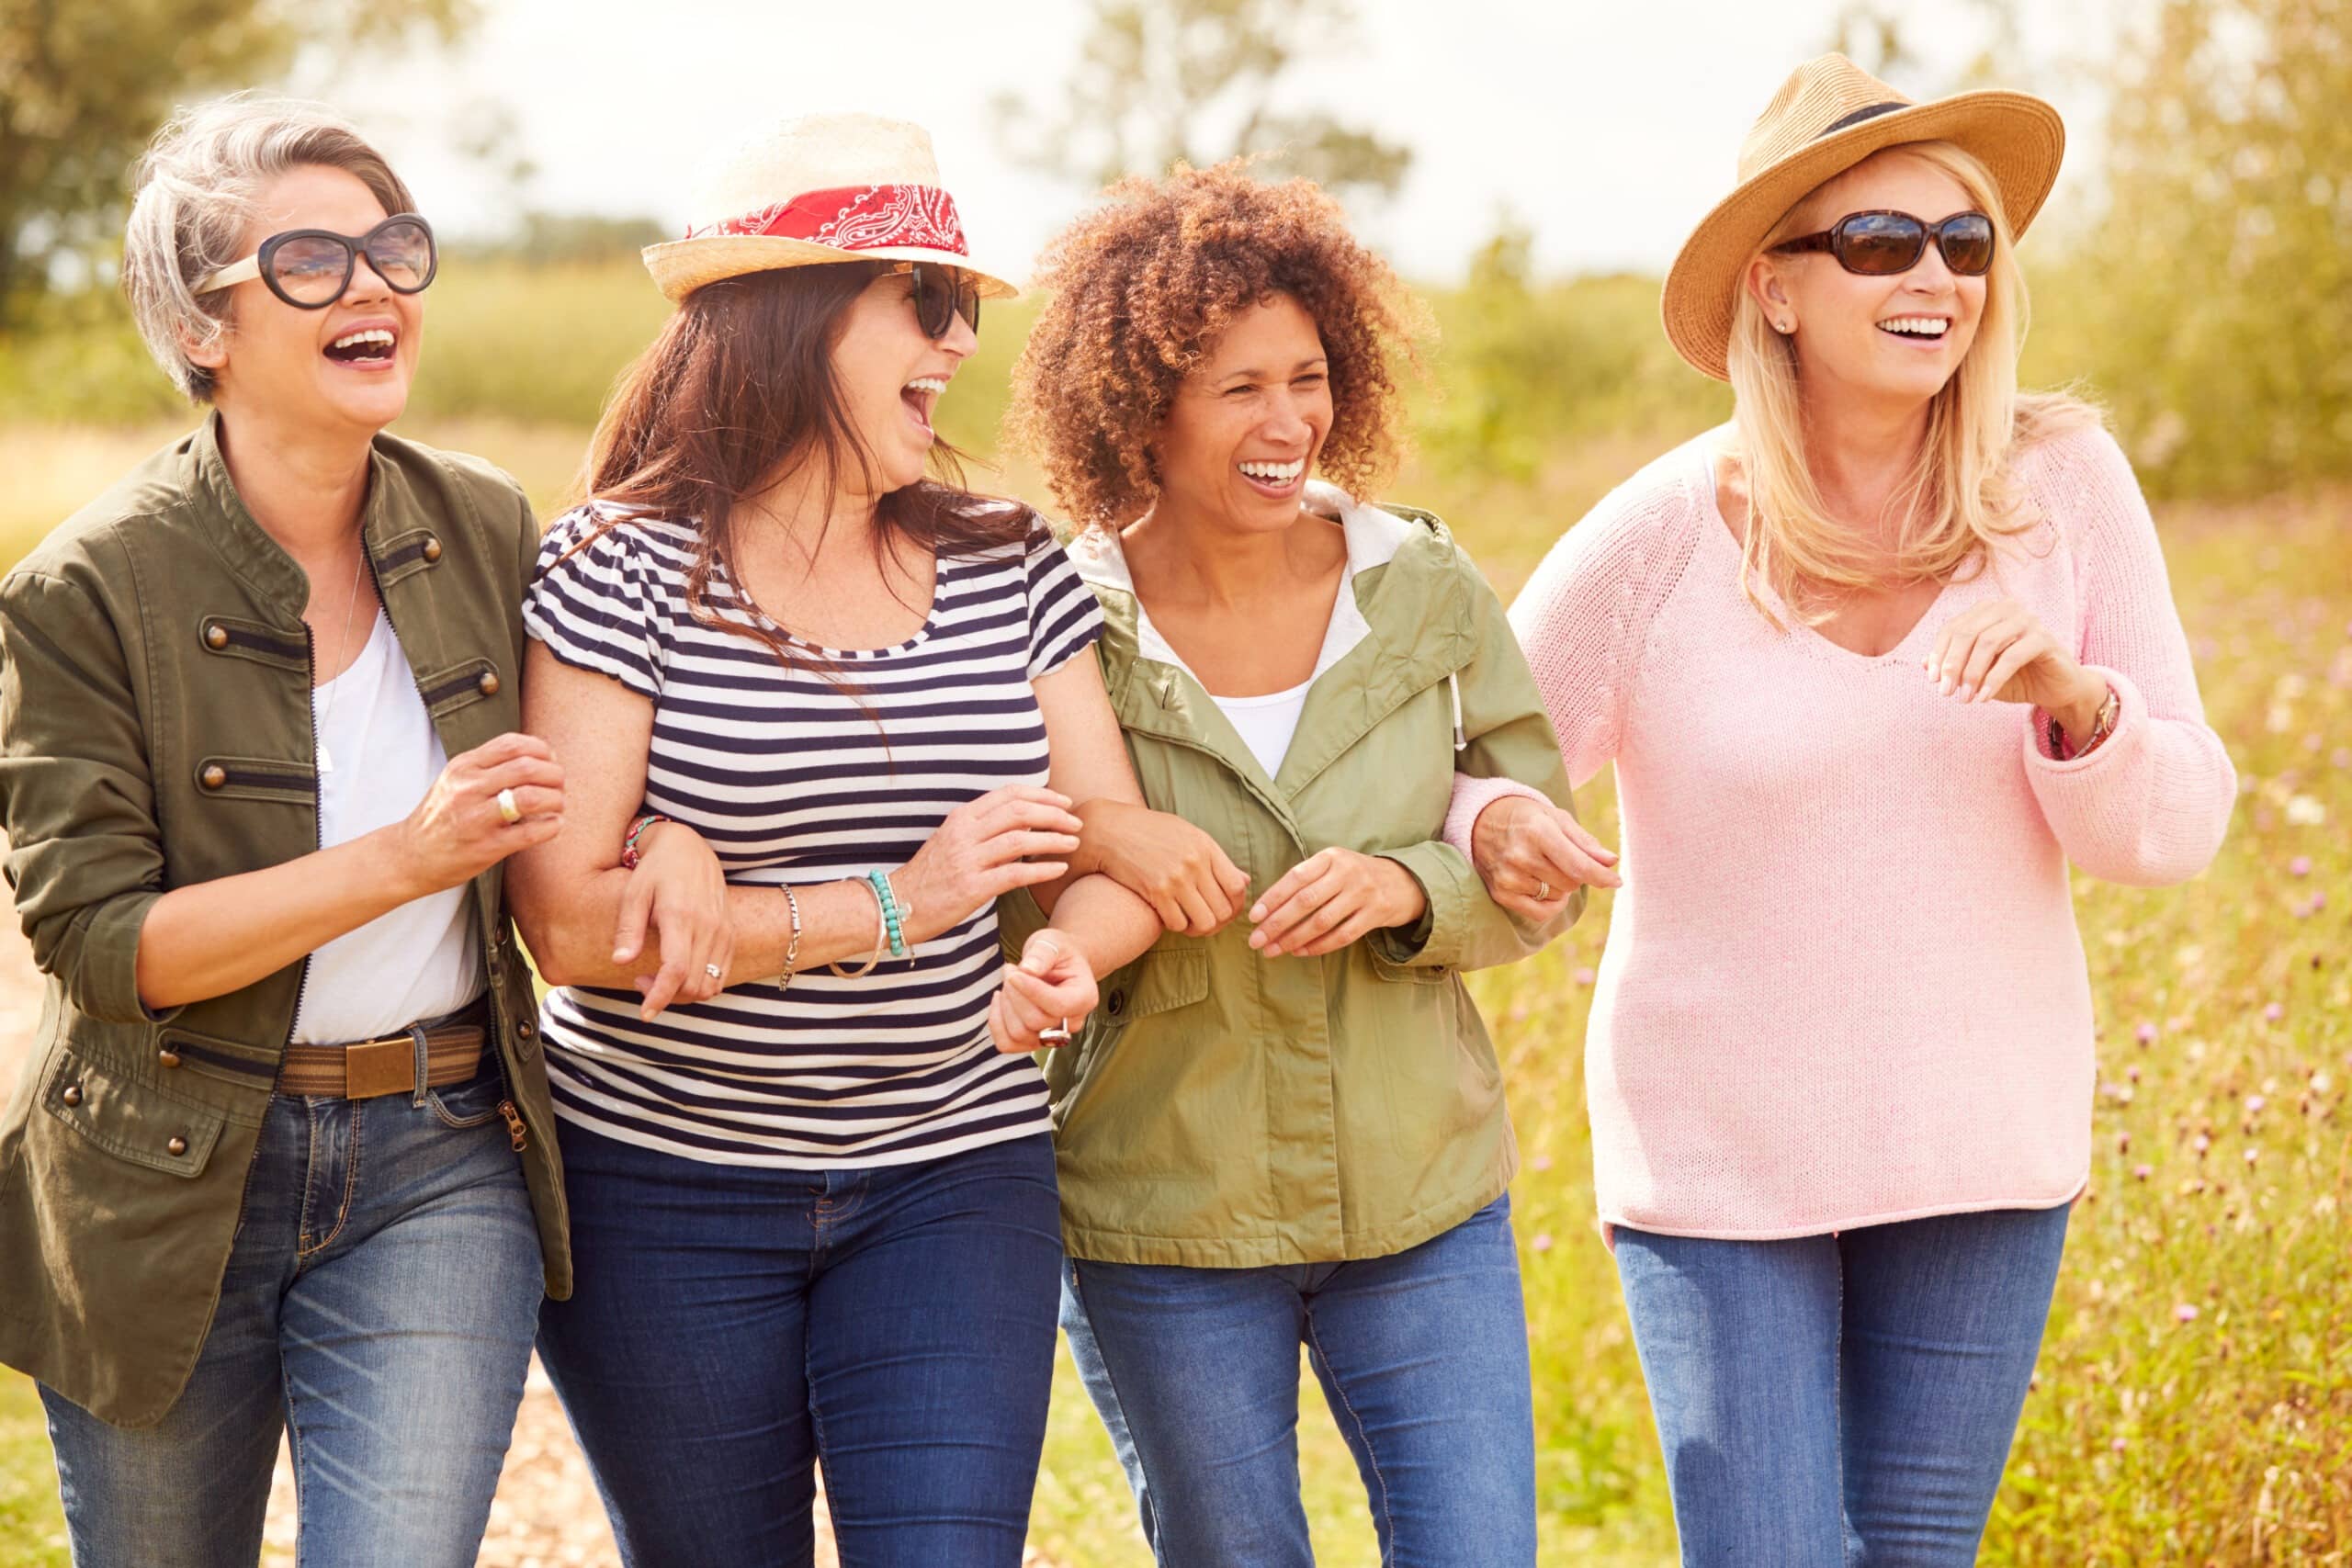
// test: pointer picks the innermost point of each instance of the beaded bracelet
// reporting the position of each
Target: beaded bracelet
(890, 915)
(630, 853)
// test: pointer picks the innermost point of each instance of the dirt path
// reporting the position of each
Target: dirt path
(547, 1514)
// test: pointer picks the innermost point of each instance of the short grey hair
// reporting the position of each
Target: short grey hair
(197, 191)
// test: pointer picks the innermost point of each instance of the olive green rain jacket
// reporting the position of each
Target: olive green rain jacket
(155, 732)
(1224, 1110)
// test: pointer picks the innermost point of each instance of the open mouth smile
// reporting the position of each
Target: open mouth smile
(921, 396)
(369, 347)
(1276, 480)
(1927, 331)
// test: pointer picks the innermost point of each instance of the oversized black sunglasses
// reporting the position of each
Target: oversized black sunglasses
(310, 268)
(940, 295)
(1880, 244)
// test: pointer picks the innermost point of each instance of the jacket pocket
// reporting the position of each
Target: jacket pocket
(130, 1120)
(258, 778)
(1158, 982)
(211, 1056)
(1162, 982)
(460, 685)
(232, 637)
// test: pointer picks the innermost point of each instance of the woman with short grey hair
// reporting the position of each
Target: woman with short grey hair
(282, 1159)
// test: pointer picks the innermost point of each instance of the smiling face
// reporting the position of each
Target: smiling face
(892, 376)
(1896, 338)
(1248, 421)
(347, 366)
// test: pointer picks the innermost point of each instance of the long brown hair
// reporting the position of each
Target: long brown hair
(738, 385)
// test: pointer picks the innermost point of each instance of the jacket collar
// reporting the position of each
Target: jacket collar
(1403, 624)
(276, 579)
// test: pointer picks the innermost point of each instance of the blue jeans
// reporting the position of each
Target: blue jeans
(731, 1324)
(1841, 1401)
(1422, 1356)
(380, 1308)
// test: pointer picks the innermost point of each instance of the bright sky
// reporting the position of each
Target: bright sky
(1607, 128)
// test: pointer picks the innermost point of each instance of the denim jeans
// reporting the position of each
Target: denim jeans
(379, 1307)
(1423, 1358)
(1841, 1401)
(732, 1325)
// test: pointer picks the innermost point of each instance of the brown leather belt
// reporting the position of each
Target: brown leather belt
(386, 1065)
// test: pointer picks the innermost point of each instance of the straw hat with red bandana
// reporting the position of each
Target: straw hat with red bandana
(818, 190)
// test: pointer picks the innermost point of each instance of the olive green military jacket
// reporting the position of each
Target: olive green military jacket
(1224, 1110)
(155, 732)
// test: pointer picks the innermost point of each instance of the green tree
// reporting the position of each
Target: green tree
(2209, 302)
(85, 82)
(1159, 82)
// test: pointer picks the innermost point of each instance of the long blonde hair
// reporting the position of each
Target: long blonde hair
(1961, 498)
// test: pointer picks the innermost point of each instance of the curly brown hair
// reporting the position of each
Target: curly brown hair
(1140, 289)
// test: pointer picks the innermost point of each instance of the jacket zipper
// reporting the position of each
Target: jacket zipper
(318, 808)
(517, 1132)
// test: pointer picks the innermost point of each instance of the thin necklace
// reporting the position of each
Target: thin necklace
(343, 645)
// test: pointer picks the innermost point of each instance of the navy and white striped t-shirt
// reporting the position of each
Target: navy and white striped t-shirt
(793, 779)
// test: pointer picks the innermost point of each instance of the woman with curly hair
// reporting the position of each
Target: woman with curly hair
(1287, 1127)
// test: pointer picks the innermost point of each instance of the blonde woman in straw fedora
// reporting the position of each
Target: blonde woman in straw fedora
(815, 1211)
(1874, 663)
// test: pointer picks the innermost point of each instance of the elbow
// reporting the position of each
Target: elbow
(2169, 848)
(93, 955)
(556, 945)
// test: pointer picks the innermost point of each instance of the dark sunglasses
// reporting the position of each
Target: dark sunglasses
(310, 268)
(940, 295)
(1880, 244)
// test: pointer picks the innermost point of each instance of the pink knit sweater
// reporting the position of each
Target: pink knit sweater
(1843, 984)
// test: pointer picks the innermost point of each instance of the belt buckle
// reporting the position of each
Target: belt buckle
(379, 1067)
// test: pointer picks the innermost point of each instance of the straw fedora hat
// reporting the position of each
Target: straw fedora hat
(821, 189)
(1828, 116)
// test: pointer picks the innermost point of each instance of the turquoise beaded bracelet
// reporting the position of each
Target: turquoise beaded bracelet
(889, 902)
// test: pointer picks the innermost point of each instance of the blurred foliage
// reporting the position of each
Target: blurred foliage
(83, 85)
(1156, 79)
(2211, 301)
(570, 238)
(1524, 365)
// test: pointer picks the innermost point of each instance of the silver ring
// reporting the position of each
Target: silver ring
(712, 970)
(1542, 892)
(1051, 1036)
(507, 808)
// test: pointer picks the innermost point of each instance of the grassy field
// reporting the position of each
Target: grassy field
(2195, 1398)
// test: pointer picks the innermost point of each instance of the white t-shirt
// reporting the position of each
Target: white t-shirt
(1266, 723)
(377, 755)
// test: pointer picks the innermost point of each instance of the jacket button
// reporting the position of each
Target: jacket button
(1118, 1003)
(523, 1027)
(215, 776)
(168, 1057)
(432, 548)
(489, 682)
(175, 1146)
(216, 636)
(73, 1095)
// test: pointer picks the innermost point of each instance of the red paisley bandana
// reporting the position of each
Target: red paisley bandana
(855, 218)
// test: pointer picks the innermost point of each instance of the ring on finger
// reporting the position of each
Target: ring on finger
(712, 970)
(507, 808)
(1542, 892)
(1052, 1036)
